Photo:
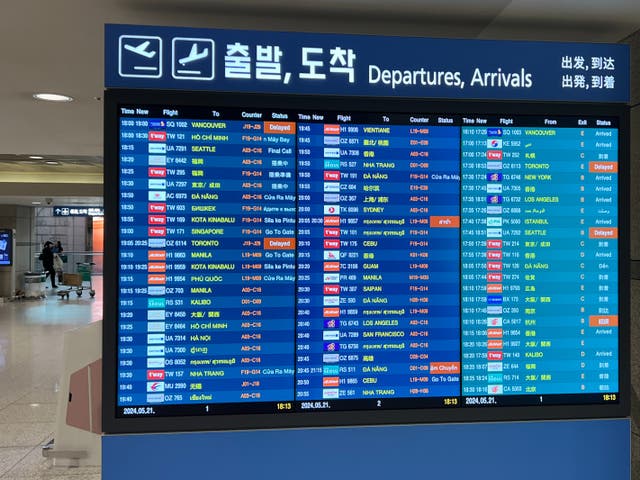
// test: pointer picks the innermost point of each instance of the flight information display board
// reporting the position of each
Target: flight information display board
(382, 261)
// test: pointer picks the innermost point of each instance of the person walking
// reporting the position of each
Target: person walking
(47, 262)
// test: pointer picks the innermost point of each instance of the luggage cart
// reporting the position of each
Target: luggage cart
(77, 281)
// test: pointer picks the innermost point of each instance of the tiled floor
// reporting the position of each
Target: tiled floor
(30, 361)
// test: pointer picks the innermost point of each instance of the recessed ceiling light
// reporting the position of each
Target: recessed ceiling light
(36, 203)
(35, 157)
(52, 97)
(52, 162)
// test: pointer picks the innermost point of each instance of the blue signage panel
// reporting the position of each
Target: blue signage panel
(584, 450)
(64, 211)
(330, 64)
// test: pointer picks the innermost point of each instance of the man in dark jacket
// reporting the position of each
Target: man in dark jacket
(47, 262)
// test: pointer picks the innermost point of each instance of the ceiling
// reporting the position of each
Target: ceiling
(57, 46)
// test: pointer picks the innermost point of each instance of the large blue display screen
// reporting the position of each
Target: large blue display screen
(284, 260)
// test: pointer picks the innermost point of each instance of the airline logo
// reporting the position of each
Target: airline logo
(494, 299)
(156, 303)
(332, 209)
(331, 197)
(331, 370)
(494, 243)
(494, 321)
(157, 267)
(494, 143)
(155, 338)
(329, 243)
(494, 209)
(330, 358)
(157, 172)
(331, 312)
(155, 351)
(155, 397)
(331, 381)
(156, 314)
(157, 255)
(331, 187)
(157, 196)
(332, 129)
(494, 309)
(159, 160)
(494, 154)
(330, 393)
(331, 232)
(331, 221)
(494, 188)
(155, 386)
(332, 254)
(155, 374)
(331, 289)
(332, 323)
(331, 346)
(330, 335)
(157, 208)
(157, 231)
(494, 177)
(331, 266)
(494, 199)
(495, 390)
(494, 265)
(494, 233)
(157, 184)
(494, 165)
(495, 377)
(331, 152)
(494, 277)
(330, 301)
(331, 164)
(155, 362)
(157, 327)
(494, 366)
(331, 278)
(494, 132)
(157, 219)
(494, 355)
(494, 254)
(494, 288)
(494, 332)
(157, 124)
(156, 279)
(331, 140)
(494, 221)
(156, 290)
(494, 344)
(157, 136)
(331, 176)
(157, 243)
(158, 148)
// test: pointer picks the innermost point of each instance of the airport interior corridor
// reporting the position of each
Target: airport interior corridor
(31, 352)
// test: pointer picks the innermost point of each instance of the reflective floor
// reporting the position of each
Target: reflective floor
(30, 362)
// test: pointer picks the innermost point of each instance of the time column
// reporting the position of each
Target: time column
(132, 334)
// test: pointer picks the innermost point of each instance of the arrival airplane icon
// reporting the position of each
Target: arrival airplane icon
(194, 55)
(193, 58)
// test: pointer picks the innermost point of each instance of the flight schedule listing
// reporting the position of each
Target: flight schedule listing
(277, 260)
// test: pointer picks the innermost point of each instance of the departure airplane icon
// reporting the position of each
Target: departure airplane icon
(194, 55)
(141, 49)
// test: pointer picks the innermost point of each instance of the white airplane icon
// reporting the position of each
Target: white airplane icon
(141, 49)
(194, 55)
